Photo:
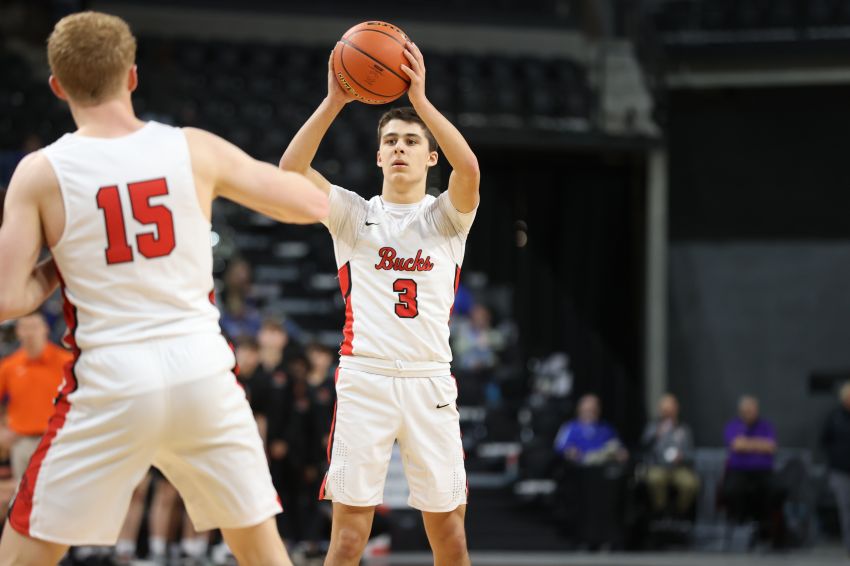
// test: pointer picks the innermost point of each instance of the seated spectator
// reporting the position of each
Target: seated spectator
(239, 316)
(668, 446)
(748, 484)
(475, 342)
(590, 492)
(835, 439)
(587, 440)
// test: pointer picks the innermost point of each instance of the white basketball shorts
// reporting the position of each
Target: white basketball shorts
(372, 412)
(189, 418)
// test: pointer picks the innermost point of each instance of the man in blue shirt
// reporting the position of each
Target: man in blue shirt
(588, 440)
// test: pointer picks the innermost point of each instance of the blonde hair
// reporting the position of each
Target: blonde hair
(89, 54)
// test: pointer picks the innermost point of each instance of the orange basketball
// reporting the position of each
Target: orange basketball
(367, 62)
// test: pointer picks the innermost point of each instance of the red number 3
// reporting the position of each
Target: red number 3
(150, 244)
(406, 307)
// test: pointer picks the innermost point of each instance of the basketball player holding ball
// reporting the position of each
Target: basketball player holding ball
(399, 256)
(124, 206)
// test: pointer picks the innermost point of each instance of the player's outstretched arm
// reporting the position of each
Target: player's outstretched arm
(24, 286)
(303, 147)
(465, 177)
(227, 171)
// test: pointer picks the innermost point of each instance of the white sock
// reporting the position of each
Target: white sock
(157, 546)
(125, 547)
(195, 547)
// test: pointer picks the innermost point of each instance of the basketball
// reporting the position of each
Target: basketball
(367, 62)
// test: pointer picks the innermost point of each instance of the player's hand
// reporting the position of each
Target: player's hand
(336, 93)
(416, 72)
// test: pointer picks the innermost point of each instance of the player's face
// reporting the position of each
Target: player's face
(403, 155)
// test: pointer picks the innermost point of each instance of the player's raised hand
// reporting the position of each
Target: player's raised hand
(336, 93)
(416, 72)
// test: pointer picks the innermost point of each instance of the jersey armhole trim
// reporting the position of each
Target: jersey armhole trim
(197, 198)
(58, 174)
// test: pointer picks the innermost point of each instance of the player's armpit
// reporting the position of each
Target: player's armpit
(319, 180)
(233, 174)
(23, 284)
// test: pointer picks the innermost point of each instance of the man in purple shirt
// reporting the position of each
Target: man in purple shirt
(751, 442)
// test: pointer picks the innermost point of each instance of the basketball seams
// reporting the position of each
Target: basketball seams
(350, 77)
(382, 32)
(345, 42)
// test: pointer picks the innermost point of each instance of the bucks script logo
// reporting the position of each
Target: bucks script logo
(391, 262)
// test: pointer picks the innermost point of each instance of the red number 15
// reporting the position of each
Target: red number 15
(150, 244)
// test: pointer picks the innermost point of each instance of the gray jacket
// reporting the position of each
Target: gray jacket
(671, 447)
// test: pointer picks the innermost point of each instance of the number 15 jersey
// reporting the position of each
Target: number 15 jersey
(135, 254)
(399, 267)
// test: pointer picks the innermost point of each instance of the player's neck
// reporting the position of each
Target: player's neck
(111, 119)
(403, 194)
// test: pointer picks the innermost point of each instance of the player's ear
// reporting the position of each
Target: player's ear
(57, 88)
(433, 157)
(380, 161)
(133, 78)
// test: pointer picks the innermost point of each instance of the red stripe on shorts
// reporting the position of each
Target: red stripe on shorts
(21, 510)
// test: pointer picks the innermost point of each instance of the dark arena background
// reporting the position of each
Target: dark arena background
(664, 208)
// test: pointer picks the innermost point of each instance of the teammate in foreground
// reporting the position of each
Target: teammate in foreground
(124, 207)
(399, 256)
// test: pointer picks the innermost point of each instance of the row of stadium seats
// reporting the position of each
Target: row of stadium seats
(734, 15)
(561, 13)
(258, 95)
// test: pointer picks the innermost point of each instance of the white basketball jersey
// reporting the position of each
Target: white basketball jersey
(135, 256)
(399, 267)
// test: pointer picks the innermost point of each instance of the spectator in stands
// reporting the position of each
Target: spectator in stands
(475, 342)
(30, 380)
(272, 340)
(321, 383)
(748, 482)
(588, 440)
(668, 446)
(835, 439)
(239, 316)
(254, 380)
(298, 470)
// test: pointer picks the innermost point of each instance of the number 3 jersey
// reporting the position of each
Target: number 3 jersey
(135, 255)
(399, 267)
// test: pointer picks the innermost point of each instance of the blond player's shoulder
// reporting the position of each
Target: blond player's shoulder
(33, 175)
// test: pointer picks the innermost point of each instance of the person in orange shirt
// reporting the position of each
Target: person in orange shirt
(29, 381)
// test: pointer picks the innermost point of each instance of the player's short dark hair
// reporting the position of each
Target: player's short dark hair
(406, 114)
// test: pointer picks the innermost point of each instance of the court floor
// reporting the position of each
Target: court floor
(831, 556)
